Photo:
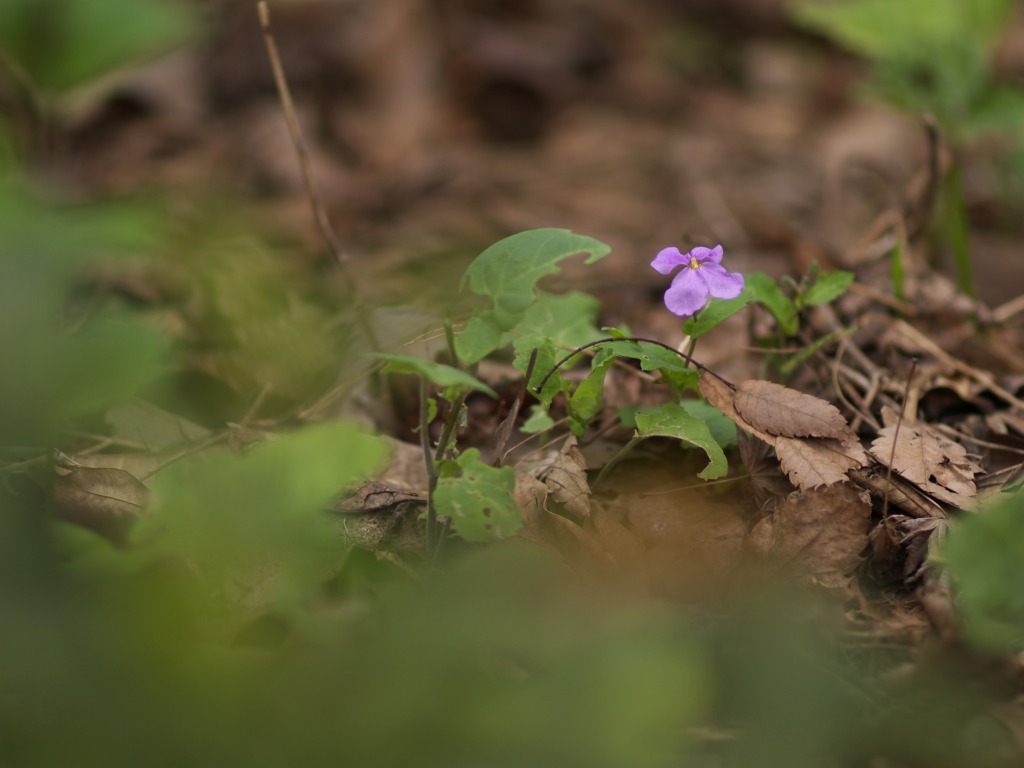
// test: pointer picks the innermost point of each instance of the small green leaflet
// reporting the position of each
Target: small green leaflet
(672, 420)
(764, 290)
(442, 375)
(713, 314)
(478, 498)
(830, 286)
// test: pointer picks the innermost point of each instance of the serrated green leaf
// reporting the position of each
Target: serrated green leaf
(765, 291)
(547, 355)
(437, 373)
(672, 420)
(508, 271)
(713, 314)
(478, 498)
(829, 287)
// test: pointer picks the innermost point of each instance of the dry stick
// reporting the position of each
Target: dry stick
(895, 442)
(505, 428)
(341, 257)
(927, 345)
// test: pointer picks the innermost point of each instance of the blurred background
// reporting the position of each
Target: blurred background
(156, 237)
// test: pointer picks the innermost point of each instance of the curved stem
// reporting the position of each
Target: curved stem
(637, 339)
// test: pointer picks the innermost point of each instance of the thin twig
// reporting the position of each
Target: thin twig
(895, 442)
(339, 254)
(504, 430)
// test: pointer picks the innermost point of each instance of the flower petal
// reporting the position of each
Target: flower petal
(707, 255)
(668, 259)
(687, 294)
(721, 284)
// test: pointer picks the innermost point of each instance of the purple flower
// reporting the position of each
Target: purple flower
(702, 277)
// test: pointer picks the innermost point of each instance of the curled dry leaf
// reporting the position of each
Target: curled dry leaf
(929, 460)
(785, 412)
(809, 462)
(567, 480)
(107, 501)
(564, 475)
(821, 532)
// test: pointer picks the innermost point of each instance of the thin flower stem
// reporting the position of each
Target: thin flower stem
(638, 339)
(428, 462)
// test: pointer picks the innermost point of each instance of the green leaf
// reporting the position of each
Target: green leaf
(538, 420)
(721, 427)
(672, 420)
(567, 319)
(765, 291)
(442, 375)
(64, 43)
(547, 355)
(261, 513)
(507, 274)
(478, 498)
(881, 28)
(654, 358)
(830, 286)
(478, 339)
(983, 554)
(53, 375)
(713, 314)
(585, 402)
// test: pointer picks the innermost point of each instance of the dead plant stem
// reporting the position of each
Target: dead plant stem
(338, 253)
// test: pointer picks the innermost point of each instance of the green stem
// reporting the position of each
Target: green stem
(957, 230)
(430, 464)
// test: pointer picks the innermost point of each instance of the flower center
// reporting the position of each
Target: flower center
(694, 264)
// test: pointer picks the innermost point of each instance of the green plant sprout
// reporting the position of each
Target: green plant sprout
(534, 327)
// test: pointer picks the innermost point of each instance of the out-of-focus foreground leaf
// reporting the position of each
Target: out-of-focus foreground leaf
(64, 43)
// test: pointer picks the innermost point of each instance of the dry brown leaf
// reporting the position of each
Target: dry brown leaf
(723, 397)
(567, 480)
(104, 500)
(821, 532)
(900, 493)
(564, 476)
(786, 412)
(810, 462)
(767, 481)
(929, 460)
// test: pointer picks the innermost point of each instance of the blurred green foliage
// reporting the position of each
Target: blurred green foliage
(928, 56)
(983, 554)
(60, 44)
(239, 628)
(57, 369)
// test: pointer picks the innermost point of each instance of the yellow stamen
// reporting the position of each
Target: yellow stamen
(694, 264)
